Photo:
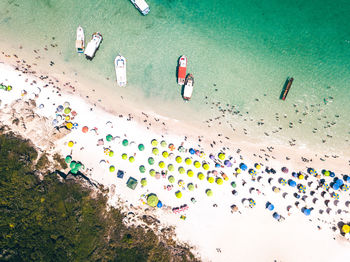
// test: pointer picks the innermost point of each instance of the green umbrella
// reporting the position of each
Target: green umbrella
(209, 192)
(163, 143)
(72, 164)
(141, 147)
(111, 169)
(222, 156)
(125, 142)
(211, 179)
(171, 179)
(151, 160)
(154, 142)
(143, 182)
(178, 159)
(131, 159)
(188, 161)
(68, 159)
(219, 181)
(197, 164)
(190, 173)
(190, 187)
(181, 170)
(161, 164)
(111, 153)
(152, 172)
(124, 156)
(326, 173)
(181, 149)
(152, 200)
(200, 176)
(206, 166)
(233, 184)
(67, 110)
(109, 138)
(171, 167)
(142, 169)
(165, 154)
(155, 151)
(178, 194)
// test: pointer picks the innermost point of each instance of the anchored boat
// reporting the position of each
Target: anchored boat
(141, 5)
(286, 90)
(188, 88)
(93, 45)
(181, 70)
(120, 70)
(79, 43)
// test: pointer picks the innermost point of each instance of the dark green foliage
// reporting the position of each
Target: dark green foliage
(60, 161)
(50, 220)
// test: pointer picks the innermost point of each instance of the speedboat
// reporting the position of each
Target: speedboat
(93, 45)
(181, 70)
(120, 70)
(79, 43)
(141, 5)
(188, 88)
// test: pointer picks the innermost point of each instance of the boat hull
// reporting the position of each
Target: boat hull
(188, 88)
(120, 70)
(181, 70)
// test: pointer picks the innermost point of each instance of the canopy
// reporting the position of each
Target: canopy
(111, 169)
(165, 154)
(211, 179)
(178, 194)
(221, 156)
(171, 167)
(188, 161)
(190, 187)
(85, 129)
(190, 173)
(70, 143)
(125, 142)
(152, 200)
(178, 159)
(68, 159)
(152, 172)
(154, 142)
(243, 166)
(67, 110)
(161, 164)
(124, 156)
(209, 192)
(155, 151)
(181, 170)
(197, 164)
(141, 147)
(142, 169)
(131, 183)
(163, 143)
(171, 179)
(200, 176)
(219, 181)
(151, 160)
(131, 159)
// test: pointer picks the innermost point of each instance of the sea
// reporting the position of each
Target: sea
(240, 52)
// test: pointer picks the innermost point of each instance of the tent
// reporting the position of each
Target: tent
(152, 200)
(131, 183)
(120, 174)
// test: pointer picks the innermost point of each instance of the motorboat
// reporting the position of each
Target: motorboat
(93, 45)
(288, 86)
(120, 70)
(79, 43)
(188, 88)
(181, 70)
(141, 5)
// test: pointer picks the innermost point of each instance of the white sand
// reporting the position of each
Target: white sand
(252, 235)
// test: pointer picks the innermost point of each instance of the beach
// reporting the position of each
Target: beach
(233, 222)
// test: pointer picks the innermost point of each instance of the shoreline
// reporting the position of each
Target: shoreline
(173, 132)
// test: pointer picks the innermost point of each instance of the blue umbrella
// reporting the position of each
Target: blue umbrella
(294, 174)
(160, 204)
(227, 163)
(54, 122)
(306, 211)
(347, 178)
(332, 174)
(335, 186)
(243, 166)
(60, 108)
(292, 183)
(276, 216)
(269, 206)
(217, 165)
(192, 151)
(339, 182)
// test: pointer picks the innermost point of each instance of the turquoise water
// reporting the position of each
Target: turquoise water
(243, 49)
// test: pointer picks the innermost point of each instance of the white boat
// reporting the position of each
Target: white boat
(93, 45)
(79, 43)
(141, 5)
(188, 88)
(120, 70)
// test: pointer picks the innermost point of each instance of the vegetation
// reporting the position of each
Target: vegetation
(50, 220)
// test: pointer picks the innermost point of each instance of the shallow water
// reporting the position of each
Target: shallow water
(243, 49)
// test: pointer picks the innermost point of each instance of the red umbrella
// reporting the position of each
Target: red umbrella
(74, 113)
(85, 129)
(285, 170)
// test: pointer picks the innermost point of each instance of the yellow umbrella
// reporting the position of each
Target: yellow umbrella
(154, 142)
(70, 143)
(206, 166)
(188, 161)
(165, 154)
(161, 164)
(222, 156)
(238, 170)
(178, 159)
(67, 118)
(181, 170)
(190, 173)
(301, 176)
(178, 194)
(346, 229)
(219, 181)
(200, 176)
(69, 125)
(197, 164)
(257, 166)
(211, 180)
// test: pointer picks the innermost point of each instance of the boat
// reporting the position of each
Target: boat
(93, 45)
(141, 5)
(188, 88)
(181, 70)
(79, 43)
(120, 70)
(286, 90)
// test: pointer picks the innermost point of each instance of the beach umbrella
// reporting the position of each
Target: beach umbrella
(165, 154)
(163, 143)
(325, 186)
(301, 176)
(69, 125)
(142, 169)
(252, 203)
(269, 206)
(221, 156)
(192, 151)
(283, 181)
(85, 129)
(190, 173)
(60, 108)
(181, 170)
(335, 186)
(209, 192)
(152, 200)
(197, 164)
(219, 181)
(141, 147)
(125, 142)
(171, 167)
(178, 194)
(111, 153)
(311, 171)
(206, 166)
(154, 142)
(190, 187)
(227, 163)
(171, 147)
(257, 166)
(111, 169)
(285, 170)
(188, 161)
(70, 143)
(131, 159)
(340, 182)
(152, 172)
(306, 211)
(212, 157)
(292, 183)
(233, 184)
(326, 173)
(335, 195)
(211, 179)
(252, 172)
(200, 176)
(144, 182)
(75, 126)
(332, 174)
(160, 204)
(67, 118)
(68, 159)
(54, 122)
(171, 179)
(276, 189)
(181, 149)
(347, 178)
(301, 188)
(67, 110)
(178, 159)
(161, 164)
(276, 216)
(346, 229)
(124, 156)
(155, 151)
(243, 166)
(238, 170)
(58, 117)
(344, 188)
(151, 160)
(66, 104)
